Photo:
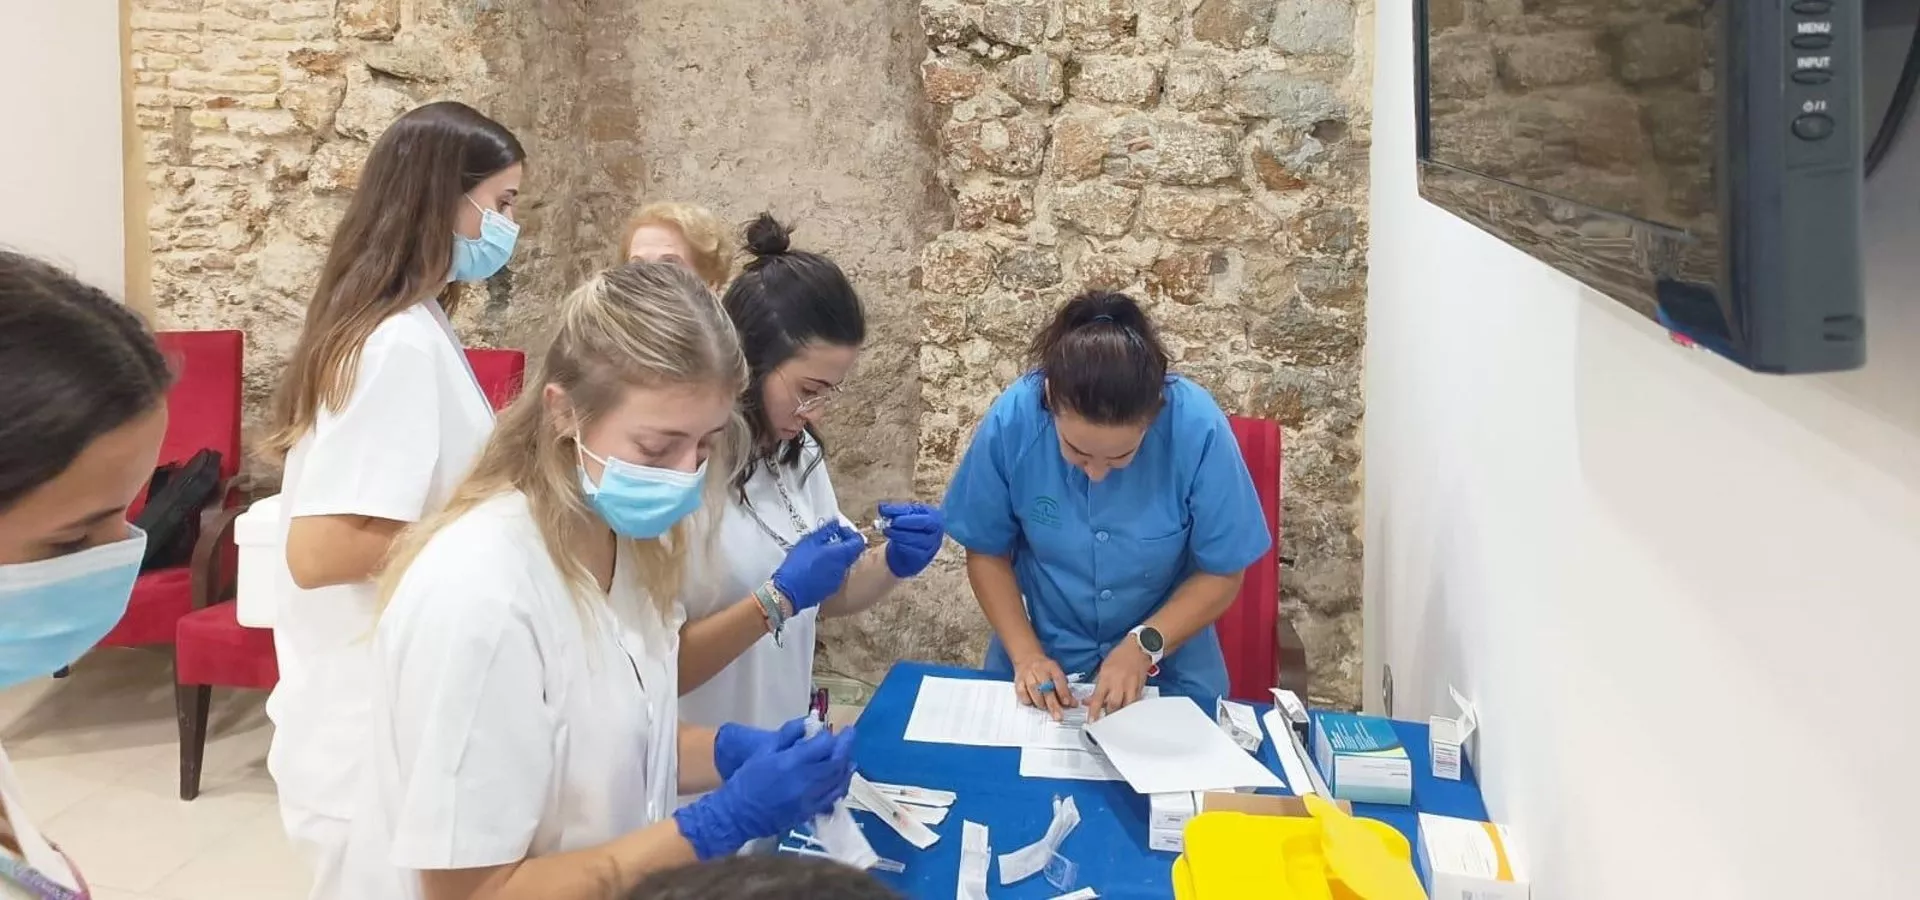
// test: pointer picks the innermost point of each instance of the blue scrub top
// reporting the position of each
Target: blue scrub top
(1094, 560)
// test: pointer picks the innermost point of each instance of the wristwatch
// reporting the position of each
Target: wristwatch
(1150, 641)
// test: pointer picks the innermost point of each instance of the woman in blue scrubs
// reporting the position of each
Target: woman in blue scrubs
(1111, 496)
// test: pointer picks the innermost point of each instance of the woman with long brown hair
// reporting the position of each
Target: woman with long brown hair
(377, 418)
(527, 741)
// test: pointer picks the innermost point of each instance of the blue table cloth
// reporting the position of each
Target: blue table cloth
(1110, 846)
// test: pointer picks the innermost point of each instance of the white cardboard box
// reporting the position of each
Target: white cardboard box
(262, 557)
(1468, 860)
(1167, 816)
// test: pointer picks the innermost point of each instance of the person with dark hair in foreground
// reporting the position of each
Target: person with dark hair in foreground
(1107, 517)
(777, 876)
(81, 421)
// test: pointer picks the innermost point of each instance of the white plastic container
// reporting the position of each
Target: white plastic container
(257, 535)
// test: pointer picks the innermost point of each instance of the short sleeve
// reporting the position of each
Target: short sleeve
(1229, 527)
(470, 723)
(375, 456)
(979, 502)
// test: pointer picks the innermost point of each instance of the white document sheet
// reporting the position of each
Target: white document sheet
(981, 713)
(1077, 765)
(975, 856)
(1027, 861)
(987, 714)
(1167, 744)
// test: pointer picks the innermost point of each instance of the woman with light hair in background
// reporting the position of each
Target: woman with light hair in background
(527, 741)
(378, 416)
(683, 233)
(81, 421)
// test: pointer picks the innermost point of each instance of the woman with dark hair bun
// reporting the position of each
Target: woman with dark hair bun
(1107, 517)
(81, 421)
(785, 555)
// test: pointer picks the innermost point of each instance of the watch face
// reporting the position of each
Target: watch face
(1150, 640)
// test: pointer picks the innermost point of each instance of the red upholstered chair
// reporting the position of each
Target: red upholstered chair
(500, 373)
(203, 412)
(1261, 646)
(213, 648)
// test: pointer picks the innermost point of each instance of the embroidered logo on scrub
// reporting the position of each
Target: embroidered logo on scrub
(1046, 511)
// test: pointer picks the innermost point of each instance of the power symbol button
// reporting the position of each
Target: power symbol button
(1814, 127)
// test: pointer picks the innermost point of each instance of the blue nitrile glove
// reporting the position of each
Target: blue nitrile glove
(769, 794)
(914, 533)
(734, 743)
(816, 567)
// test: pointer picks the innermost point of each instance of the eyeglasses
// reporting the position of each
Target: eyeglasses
(815, 400)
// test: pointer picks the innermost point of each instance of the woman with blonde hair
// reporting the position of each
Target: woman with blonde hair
(527, 741)
(683, 233)
(377, 418)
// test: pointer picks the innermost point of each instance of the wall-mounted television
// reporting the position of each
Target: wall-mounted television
(1700, 162)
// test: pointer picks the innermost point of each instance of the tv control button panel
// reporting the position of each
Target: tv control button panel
(1818, 90)
(1813, 127)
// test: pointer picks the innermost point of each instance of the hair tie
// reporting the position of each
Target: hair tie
(1103, 317)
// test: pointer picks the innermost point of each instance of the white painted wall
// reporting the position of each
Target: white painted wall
(60, 152)
(1654, 571)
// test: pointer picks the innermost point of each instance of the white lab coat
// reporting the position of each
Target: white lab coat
(514, 719)
(35, 850)
(408, 433)
(767, 685)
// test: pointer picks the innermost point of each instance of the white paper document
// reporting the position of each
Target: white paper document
(988, 714)
(981, 713)
(1027, 861)
(975, 856)
(1167, 744)
(1077, 765)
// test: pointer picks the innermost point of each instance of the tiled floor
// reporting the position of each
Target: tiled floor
(98, 757)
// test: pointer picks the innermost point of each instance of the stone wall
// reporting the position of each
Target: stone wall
(256, 117)
(1207, 156)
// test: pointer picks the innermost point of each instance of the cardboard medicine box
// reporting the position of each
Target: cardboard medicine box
(1362, 759)
(1468, 860)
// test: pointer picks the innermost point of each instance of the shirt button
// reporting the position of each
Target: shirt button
(1100, 536)
(1106, 595)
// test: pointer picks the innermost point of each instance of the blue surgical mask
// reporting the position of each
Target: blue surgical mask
(641, 502)
(53, 611)
(476, 259)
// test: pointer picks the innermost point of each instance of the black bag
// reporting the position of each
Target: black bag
(175, 496)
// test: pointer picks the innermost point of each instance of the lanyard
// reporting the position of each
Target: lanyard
(793, 512)
(38, 885)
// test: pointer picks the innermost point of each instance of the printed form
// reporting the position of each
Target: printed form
(986, 714)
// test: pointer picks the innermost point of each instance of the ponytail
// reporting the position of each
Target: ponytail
(1102, 360)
